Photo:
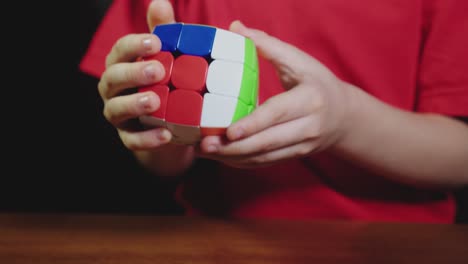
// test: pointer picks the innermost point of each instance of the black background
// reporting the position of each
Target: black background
(60, 155)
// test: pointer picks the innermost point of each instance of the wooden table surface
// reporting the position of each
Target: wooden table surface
(114, 239)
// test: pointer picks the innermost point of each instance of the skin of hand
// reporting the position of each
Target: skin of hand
(122, 106)
(308, 117)
(317, 111)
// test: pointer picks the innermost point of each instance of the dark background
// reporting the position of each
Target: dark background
(60, 155)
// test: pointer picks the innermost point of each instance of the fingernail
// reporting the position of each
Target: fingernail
(145, 103)
(147, 43)
(150, 71)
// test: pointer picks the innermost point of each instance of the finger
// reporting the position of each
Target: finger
(159, 12)
(130, 47)
(276, 137)
(277, 109)
(299, 150)
(121, 76)
(273, 49)
(211, 144)
(146, 139)
(264, 159)
(293, 64)
(122, 108)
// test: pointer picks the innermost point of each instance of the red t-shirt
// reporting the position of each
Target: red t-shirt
(410, 54)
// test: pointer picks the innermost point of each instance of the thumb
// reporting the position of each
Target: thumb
(159, 12)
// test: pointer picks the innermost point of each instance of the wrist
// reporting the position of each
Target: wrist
(356, 104)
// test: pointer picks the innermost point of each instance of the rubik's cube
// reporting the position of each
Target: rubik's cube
(211, 80)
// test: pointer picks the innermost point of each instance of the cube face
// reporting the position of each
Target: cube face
(211, 80)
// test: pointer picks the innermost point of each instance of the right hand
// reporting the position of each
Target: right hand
(122, 106)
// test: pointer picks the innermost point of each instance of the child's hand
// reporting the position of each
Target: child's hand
(122, 106)
(309, 116)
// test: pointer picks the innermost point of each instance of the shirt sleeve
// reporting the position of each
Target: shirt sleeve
(122, 17)
(443, 73)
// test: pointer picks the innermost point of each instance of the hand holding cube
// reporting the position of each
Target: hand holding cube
(211, 80)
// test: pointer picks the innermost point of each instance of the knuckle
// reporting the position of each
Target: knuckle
(101, 88)
(115, 111)
(107, 113)
(108, 61)
(131, 143)
(318, 101)
(107, 82)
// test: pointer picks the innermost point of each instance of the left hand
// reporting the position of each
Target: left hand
(311, 115)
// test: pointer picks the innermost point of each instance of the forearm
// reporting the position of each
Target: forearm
(422, 149)
(169, 160)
